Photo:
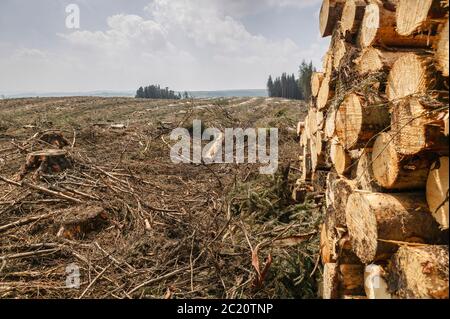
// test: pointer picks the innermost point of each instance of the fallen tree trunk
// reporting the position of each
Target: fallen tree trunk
(416, 127)
(438, 191)
(359, 119)
(379, 29)
(395, 171)
(330, 13)
(376, 220)
(420, 272)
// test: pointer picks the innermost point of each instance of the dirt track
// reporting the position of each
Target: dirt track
(166, 230)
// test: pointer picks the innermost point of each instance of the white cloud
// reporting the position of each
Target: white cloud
(184, 44)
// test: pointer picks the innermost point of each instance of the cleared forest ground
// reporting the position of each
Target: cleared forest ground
(139, 226)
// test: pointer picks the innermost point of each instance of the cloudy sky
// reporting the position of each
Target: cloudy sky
(184, 44)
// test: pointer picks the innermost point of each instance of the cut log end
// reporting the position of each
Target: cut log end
(438, 191)
(442, 50)
(374, 220)
(357, 122)
(330, 13)
(412, 16)
(316, 81)
(396, 171)
(409, 75)
(420, 273)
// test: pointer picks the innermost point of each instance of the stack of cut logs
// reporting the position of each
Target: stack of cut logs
(375, 141)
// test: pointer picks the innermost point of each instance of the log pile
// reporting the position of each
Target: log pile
(377, 126)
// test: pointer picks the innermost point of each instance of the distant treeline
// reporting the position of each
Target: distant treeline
(156, 92)
(287, 86)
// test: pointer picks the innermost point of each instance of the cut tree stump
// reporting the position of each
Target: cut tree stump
(419, 16)
(378, 28)
(438, 191)
(375, 221)
(55, 139)
(395, 171)
(420, 273)
(78, 222)
(45, 162)
(330, 14)
(359, 119)
(417, 127)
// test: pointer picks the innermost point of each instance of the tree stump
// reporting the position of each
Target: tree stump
(45, 162)
(55, 139)
(77, 223)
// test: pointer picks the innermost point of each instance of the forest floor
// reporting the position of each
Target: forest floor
(133, 224)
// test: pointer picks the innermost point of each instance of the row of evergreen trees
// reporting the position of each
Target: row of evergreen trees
(156, 92)
(287, 86)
